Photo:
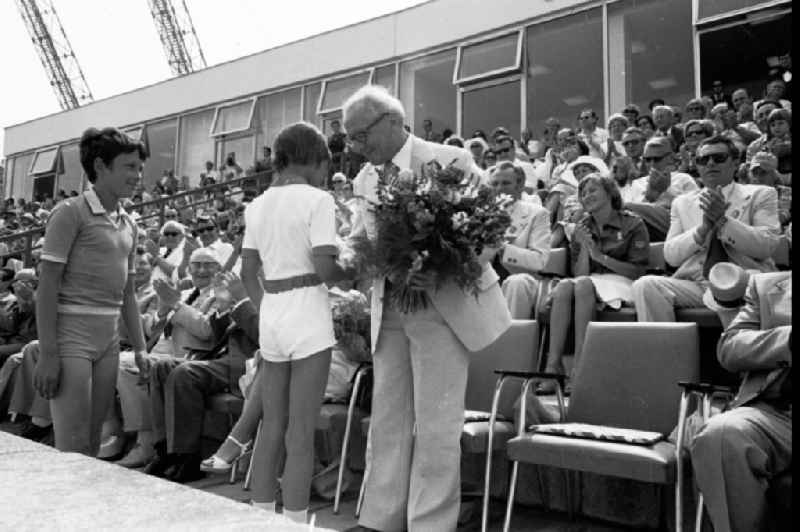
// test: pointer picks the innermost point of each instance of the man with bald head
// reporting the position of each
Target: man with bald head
(664, 119)
(420, 359)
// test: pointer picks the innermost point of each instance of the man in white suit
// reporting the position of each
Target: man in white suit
(527, 242)
(725, 221)
(420, 360)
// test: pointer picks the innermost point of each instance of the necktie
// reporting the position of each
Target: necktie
(166, 253)
(501, 270)
(716, 253)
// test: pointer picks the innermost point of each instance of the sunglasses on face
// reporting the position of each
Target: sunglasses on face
(586, 117)
(170, 216)
(653, 159)
(718, 158)
(171, 233)
(500, 151)
(695, 133)
(634, 142)
(201, 230)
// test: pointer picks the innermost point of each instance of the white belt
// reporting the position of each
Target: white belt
(87, 310)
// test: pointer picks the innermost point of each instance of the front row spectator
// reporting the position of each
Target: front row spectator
(725, 221)
(609, 250)
(738, 452)
(763, 170)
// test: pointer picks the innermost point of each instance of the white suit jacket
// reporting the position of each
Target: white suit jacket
(530, 229)
(476, 321)
(750, 235)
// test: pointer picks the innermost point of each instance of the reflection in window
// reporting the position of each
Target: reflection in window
(489, 107)
(242, 149)
(489, 56)
(196, 145)
(565, 69)
(427, 91)
(71, 176)
(384, 76)
(232, 118)
(161, 144)
(338, 90)
(44, 162)
(645, 64)
(273, 112)
(22, 185)
(311, 102)
(710, 8)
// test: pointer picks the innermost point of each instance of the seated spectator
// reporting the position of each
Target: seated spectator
(596, 138)
(695, 132)
(207, 229)
(779, 140)
(455, 140)
(725, 221)
(505, 151)
(763, 170)
(738, 452)
(646, 124)
(18, 312)
(631, 112)
(633, 140)
(775, 91)
(428, 133)
(568, 149)
(695, 110)
(624, 173)
(478, 148)
(166, 259)
(666, 125)
(609, 249)
(651, 196)
(617, 124)
(527, 242)
(568, 209)
(763, 110)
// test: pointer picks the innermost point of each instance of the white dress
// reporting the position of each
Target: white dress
(287, 225)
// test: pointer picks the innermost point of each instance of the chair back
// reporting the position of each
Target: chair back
(514, 350)
(627, 374)
(557, 264)
(655, 259)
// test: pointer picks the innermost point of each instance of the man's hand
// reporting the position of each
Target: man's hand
(190, 244)
(143, 363)
(658, 182)
(168, 295)
(46, 375)
(152, 248)
(713, 205)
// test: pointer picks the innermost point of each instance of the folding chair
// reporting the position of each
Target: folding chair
(363, 373)
(230, 405)
(625, 378)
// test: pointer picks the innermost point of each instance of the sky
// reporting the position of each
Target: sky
(118, 48)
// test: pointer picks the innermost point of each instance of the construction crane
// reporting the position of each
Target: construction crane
(55, 52)
(178, 37)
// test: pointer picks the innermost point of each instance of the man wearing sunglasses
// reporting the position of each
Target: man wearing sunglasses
(505, 151)
(633, 140)
(208, 232)
(725, 221)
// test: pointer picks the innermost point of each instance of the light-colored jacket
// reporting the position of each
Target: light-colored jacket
(476, 320)
(749, 236)
(530, 229)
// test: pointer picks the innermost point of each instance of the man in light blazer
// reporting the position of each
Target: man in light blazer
(527, 245)
(420, 360)
(737, 453)
(725, 221)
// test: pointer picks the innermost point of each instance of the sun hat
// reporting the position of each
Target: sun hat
(594, 162)
(727, 283)
(204, 255)
(339, 177)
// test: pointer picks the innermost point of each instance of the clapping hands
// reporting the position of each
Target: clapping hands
(713, 205)
(168, 295)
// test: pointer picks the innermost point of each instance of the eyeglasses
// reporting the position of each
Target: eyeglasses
(695, 133)
(201, 230)
(631, 142)
(500, 151)
(362, 136)
(654, 159)
(718, 158)
(585, 117)
(170, 216)
(171, 233)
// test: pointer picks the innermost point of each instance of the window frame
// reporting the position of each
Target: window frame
(322, 112)
(53, 170)
(504, 71)
(761, 6)
(218, 108)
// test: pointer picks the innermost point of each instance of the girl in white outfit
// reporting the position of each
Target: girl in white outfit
(290, 230)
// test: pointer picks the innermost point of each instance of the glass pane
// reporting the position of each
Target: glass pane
(196, 146)
(487, 56)
(646, 64)
(233, 118)
(427, 91)
(310, 105)
(565, 69)
(161, 143)
(43, 187)
(384, 76)
(482, 112)
(71, 176)
(739, 56)
(272, 113)
(135, 132)
(709, 8)
(45, 161)
(23, 183)
(338, 90)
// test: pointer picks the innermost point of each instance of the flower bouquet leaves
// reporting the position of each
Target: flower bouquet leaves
(430, 222)
(351, 320)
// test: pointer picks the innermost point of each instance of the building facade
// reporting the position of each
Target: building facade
(463, 64)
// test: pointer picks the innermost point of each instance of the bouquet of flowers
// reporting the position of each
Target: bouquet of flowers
(430, 222)
(351, 320)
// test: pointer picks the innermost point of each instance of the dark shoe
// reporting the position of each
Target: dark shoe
(35, 432)
(161, 461)
(187, 469)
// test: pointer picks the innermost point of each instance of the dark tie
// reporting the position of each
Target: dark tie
(166, 253)
(716, 253)
(501, 271)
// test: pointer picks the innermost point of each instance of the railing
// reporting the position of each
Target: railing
(148, 209)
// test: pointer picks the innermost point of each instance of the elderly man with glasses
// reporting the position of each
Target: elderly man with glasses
(633, 140)
(723, 222)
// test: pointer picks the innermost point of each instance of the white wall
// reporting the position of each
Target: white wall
(407, 32)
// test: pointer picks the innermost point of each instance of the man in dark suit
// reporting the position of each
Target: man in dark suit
(188, 384)
(738, 452)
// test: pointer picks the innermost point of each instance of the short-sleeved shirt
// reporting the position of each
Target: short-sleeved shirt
(623, 237)
(97, 249)
(680, 183)
(288, 225)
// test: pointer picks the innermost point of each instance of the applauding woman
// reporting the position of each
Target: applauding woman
(609, 250)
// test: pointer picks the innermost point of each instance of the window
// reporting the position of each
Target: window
(242, 148)
(650, 53)
(384, 76)
(161, 145)
(196, 147)
(273, 112)
(497, 56)
(22, 183)
(312, 103)
(233, 117)
(336, 91)
(70, 175)
(712, 8)
(45, 161)
(565, 69)
(490, 106)
(427, 91)
(136, 133)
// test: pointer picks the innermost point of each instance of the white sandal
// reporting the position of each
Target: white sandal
(215, 464)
